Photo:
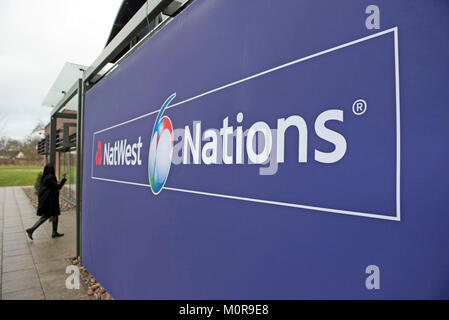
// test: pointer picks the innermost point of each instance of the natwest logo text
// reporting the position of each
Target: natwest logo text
(121, 152)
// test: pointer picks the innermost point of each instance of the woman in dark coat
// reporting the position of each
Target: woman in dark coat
(48, 200)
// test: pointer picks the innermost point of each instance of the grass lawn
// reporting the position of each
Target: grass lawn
(18, 175)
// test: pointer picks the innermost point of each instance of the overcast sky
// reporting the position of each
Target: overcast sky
(36, 39)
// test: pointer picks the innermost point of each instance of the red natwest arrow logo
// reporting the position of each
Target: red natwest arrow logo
(98, 155)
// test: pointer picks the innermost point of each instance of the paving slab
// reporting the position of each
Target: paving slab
(54, 265)
(20, 284)
(27, 294)
(16, 252)
(15, 263)
(20, 274)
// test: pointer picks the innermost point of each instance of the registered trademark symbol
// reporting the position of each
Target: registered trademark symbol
(359, 107)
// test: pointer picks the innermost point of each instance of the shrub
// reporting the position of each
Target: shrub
(37, 183)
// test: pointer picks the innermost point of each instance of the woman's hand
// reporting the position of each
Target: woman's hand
(64, 175)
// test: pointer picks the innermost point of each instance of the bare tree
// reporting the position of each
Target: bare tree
(39, 127)
(9, 147)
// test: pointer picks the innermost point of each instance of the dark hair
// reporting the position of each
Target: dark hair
(49, 170)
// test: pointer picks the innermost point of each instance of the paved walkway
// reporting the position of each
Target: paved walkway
(34, 269)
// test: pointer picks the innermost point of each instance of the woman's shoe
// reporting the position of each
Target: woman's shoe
(56, 235)
(29, 233)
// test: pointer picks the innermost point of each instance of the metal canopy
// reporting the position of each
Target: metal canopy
(69, 74)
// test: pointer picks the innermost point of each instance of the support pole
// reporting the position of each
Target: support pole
(53, 140)
(79, 162)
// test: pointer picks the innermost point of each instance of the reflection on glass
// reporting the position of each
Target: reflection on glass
(67, 164)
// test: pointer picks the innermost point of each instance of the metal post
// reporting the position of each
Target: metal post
(53, 140)
(79, 161)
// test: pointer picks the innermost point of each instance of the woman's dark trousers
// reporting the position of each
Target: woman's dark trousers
(42, 220)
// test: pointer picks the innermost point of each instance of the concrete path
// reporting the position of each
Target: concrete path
(34, 269)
